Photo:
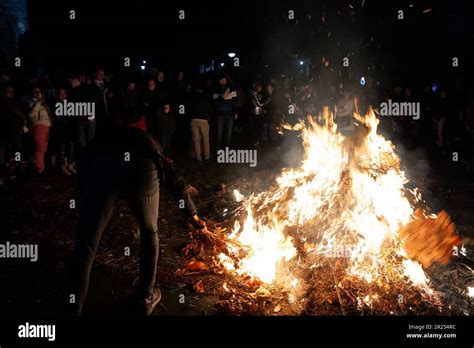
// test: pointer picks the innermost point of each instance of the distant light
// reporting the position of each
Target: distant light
(221, 64)
(144, 61)
(434, 88)
(142, 67)
(362, 81)
(231, 54)
(301, 62)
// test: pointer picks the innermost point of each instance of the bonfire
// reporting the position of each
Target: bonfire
(341, 230)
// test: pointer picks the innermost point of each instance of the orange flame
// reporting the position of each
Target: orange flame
(349, 191)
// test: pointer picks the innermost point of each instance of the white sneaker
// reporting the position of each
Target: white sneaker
(71, 168)
(65, 171)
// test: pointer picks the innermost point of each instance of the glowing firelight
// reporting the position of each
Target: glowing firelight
(353, 193)
(470, 291)
(267, 246)
(415, 273)
(238, 196)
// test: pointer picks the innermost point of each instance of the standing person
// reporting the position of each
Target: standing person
(99, 88)
(181, 92)
(426, 121)
(396, 95)
(201, 110)
(306, 101)
(84, 126)
(443, 114)
(179, 89)
(258, 113)
(165, 126)
(150, 101)
(273, 112)
(286, 101)
(114, 105)
(4, 120)
(12, 120)
(327, 83)
(4, 78)
(12, 128)
(344, 112)
(40, 118)
(410, 126)
(130, 94)
(162, 88)
(225, 98)
(103, 178)
(65, 136)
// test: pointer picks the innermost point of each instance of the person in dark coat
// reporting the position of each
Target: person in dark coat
(163, 126)
(124, 163)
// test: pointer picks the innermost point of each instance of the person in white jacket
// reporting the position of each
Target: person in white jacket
(40, 118)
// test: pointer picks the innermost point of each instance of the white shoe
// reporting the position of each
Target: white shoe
(71, 168)
(65, 171)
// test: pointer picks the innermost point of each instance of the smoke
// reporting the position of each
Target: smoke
(292, 149)
(418, 170)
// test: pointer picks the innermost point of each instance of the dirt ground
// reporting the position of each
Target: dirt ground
(37, 210)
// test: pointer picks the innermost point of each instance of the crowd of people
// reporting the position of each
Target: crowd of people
(194, 116)
(446, 121)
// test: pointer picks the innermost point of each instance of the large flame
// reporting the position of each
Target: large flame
(349, 193)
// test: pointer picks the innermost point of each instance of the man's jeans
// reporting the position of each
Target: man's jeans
(66, 153)
(225, 123)
(105, 181)
(85, 132)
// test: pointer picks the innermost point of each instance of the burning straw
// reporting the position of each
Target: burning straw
(341, 234)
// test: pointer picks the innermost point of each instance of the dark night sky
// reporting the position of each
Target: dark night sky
(105, 31)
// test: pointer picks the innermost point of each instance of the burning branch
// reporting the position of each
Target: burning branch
(348, 202)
